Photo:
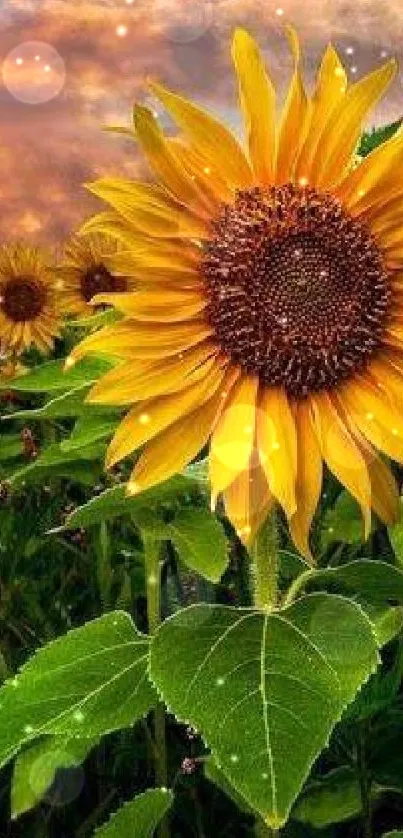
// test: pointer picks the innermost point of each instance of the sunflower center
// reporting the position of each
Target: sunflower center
(298, 290)
(23, 298)
(98, 280)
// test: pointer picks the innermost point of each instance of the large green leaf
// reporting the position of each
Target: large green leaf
(115, 502)
(200, 541)
(52, 376)
(265, 690)
(36, 767)
(91, 681)
(140, 818)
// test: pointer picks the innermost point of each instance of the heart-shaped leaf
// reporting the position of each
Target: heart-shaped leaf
(87, 683)
(265, 690)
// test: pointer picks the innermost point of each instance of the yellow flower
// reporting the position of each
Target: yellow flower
(87, 269)
(28, 299)
(269, 315)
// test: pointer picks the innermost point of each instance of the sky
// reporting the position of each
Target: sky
(71, 67)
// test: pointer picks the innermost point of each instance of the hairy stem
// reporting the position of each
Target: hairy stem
(152, 551)
(266, 565)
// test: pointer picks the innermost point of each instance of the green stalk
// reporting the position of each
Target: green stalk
(265, 559)
(365, 784)
(152, 551)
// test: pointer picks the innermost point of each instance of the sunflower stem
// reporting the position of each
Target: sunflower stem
(265, 559)
(152, 553)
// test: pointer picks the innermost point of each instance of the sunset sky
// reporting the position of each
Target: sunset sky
(91, 59)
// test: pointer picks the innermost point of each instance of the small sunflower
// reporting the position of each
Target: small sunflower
(28, 308)
(269, 314)
(87, 269)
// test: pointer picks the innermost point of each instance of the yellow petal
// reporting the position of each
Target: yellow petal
(331, 86)
(258, 103)
(385, 497)
(233, 437)
(248, 500)
(156, 306)
(371, 179)
(146, 208)
(377, 419)
(294, 118)
(129, 339)
(164, 164)
(207, 177)
(170, 451)
(210, 138)
(340, 138)
(136, 381)
(309, 478)
(149, 418)
(277, 444)
(342, 454)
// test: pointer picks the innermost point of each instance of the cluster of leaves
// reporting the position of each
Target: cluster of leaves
(287, 720)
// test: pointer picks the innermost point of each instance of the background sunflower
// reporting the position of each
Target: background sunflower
(29, 312)
(88, 267)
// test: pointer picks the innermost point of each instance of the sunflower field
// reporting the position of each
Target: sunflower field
(201, 450)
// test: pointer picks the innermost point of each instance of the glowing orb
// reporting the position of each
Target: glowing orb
(34, 72)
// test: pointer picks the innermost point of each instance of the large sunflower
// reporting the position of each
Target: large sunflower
(86, 269)
(269, 317)
(28, 299)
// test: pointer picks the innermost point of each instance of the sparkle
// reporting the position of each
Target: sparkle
(339, 71)
(234, 758)
(276, 446)
(144, 418)
(369, 416)
(78, 716)
(47, 68)
(349, 50)
(395, 432)
(121, 30)
(19, 61)
(69, 362)
(220, 682)
(132, 487)
(353, 69)
(37, 58)
(303, 181)
(207, 170)
(279, 12)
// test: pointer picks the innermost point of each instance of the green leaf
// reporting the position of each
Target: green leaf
(375, 138)
(200, 541)
(396, 539)
(10, 446)
(54, 461)
(52, 376)
(64, 405)
(140, 817)
(36, 767)
(87, 683)
(375, 581)
(342, 523)
(336, 797)
(265, 690)
(89, 429)
(115, 502)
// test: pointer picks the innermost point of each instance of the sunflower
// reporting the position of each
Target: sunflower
(87, 268)
(28, 309)
(269, 315)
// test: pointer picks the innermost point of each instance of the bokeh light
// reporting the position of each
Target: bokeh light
(34, 72)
